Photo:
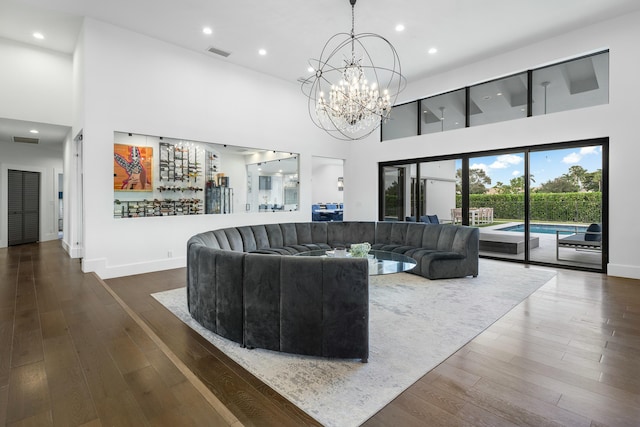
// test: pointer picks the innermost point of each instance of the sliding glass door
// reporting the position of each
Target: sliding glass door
(541, 204)
(565, 206)
(497, 203)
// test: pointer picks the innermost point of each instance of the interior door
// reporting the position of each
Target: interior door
(24, 207)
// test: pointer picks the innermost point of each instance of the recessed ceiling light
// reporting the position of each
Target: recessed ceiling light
(499, 94)
(433, 50)
(39, 36)
(399, 27)
(34, 131)
(310, 69)
(207, 30)
(262, 52)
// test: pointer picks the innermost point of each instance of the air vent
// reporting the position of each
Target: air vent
(25, 140)
(218, 51)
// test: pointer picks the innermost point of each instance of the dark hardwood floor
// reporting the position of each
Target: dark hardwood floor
(76, 351)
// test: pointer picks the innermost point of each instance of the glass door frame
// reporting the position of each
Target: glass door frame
(401, 190)
(464, 157)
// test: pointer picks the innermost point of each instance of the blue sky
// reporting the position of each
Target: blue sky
(545, 165)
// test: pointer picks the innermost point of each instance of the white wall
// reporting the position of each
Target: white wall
(33, 159)
(234, 167)
(72, 240)
(35, 84)
(72, 221)
(617, 120)
(136, 84)
(325, 180)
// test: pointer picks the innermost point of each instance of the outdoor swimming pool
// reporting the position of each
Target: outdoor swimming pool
(547, 228)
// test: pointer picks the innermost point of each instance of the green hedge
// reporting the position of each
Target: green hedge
(554, 207)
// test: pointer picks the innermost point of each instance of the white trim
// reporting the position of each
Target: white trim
(618, 270)
(100, 267)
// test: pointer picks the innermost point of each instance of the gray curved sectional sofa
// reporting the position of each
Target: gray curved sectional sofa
(315, 306)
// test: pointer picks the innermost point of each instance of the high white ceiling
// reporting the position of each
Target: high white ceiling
(293, 31)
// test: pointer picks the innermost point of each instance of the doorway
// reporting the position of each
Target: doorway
(24, 207)
(327, 189)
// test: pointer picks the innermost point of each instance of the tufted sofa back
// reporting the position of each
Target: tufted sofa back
(257, 237)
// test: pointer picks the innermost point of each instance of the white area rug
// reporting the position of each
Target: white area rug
(414, 324)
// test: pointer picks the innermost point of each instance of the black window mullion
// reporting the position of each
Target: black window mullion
(527, 204)
(465, 190)
(529, 93)
(417, 196)
(467, 106)
(419, 109)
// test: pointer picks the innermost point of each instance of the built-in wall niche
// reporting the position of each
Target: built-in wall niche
(161, 176)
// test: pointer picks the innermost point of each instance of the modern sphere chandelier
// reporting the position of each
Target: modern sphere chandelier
(348, 95)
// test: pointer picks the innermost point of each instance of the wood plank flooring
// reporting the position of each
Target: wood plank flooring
(71, 356)
(76, 353)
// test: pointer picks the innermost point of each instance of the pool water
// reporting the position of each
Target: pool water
(547, 228)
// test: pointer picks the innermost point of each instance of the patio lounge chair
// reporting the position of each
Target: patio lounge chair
(590, 240)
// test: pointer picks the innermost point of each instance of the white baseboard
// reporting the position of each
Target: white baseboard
(74, 252)
(100, 267)
(628, 271)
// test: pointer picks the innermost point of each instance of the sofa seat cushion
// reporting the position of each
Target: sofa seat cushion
(316, 246)
(417, 253)
(385, 247)
(441, 255)
(271, 251)
(296, 249)
(286, 250)
(403, 249)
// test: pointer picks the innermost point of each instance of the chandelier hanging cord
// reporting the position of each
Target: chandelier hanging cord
(353, 28)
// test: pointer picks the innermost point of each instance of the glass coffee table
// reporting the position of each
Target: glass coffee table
(380, 262)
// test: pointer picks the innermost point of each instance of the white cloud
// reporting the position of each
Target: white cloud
(589, 150)
(516, 173)
(572, 158)
(506, 160)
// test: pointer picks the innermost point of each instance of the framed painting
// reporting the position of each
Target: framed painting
(132, 168)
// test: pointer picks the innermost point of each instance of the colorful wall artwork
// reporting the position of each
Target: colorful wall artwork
(132, 168)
